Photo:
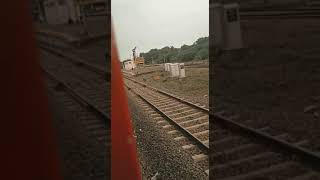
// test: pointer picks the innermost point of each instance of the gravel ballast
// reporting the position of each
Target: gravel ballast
(158, 152)
(82, 156)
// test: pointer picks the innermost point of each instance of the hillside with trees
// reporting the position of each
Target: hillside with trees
(199, 50)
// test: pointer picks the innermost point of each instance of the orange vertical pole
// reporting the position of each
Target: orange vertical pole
(125, 164)
(28, 144)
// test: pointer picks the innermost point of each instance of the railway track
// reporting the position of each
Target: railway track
(84, 92)
(278, 13)
(248, 150)
(240, 151)
(187, 123)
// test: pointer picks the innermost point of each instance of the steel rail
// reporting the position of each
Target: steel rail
(74, 41)
(277, 12)
(171, 95)
(78, 61)
(196, 140)
(248, 17)
(78, 97)
(284, 13)
(309, 158)
(283, 9)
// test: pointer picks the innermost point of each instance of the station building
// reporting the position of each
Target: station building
(36, 10)
(69, 11)
(129, 64)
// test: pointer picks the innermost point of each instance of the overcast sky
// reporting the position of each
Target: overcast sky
(150, 24)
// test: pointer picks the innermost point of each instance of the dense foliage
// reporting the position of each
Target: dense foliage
(199, 50)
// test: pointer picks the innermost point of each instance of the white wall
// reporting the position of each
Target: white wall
(73, 14)
(59, 14)
(128, 65)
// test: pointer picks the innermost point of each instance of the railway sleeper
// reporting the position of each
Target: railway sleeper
(311, 175)
(195, 150)
(159, 100)
(255, 124)
(187, 145)
(158, 118)
(227, 143)
(153, 94)
(236, 153)
(163, 102)
(183, 108)
(170, 106)
(174, 106)
(218, 134)
(248, 164)
(284, 170)
(150, 95)
(214, 127)
(219, 112)
(183, 113)
(144, 105)
(155, 115)
(272, 132)
(207, 172)
(188, 117)
(198, 120)
(176, 134)
(203, 135)
(204, 163)
(162, 122)
(200, 157)
(149, 110)
(197, 127)
(173, 132)
(182, 140)
(167, 126)
(302, 143)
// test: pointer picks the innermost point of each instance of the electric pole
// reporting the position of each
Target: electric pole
(134, 53)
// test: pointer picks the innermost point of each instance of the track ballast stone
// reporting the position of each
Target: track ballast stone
(158, 151)
(82, 156)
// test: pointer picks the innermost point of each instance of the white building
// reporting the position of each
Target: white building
(129, 64)
(62, 11)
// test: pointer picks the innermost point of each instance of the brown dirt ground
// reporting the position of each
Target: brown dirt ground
(195, 87)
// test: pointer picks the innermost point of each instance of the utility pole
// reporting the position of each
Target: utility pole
(42, 11)
(83, 19)
(134, 53)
